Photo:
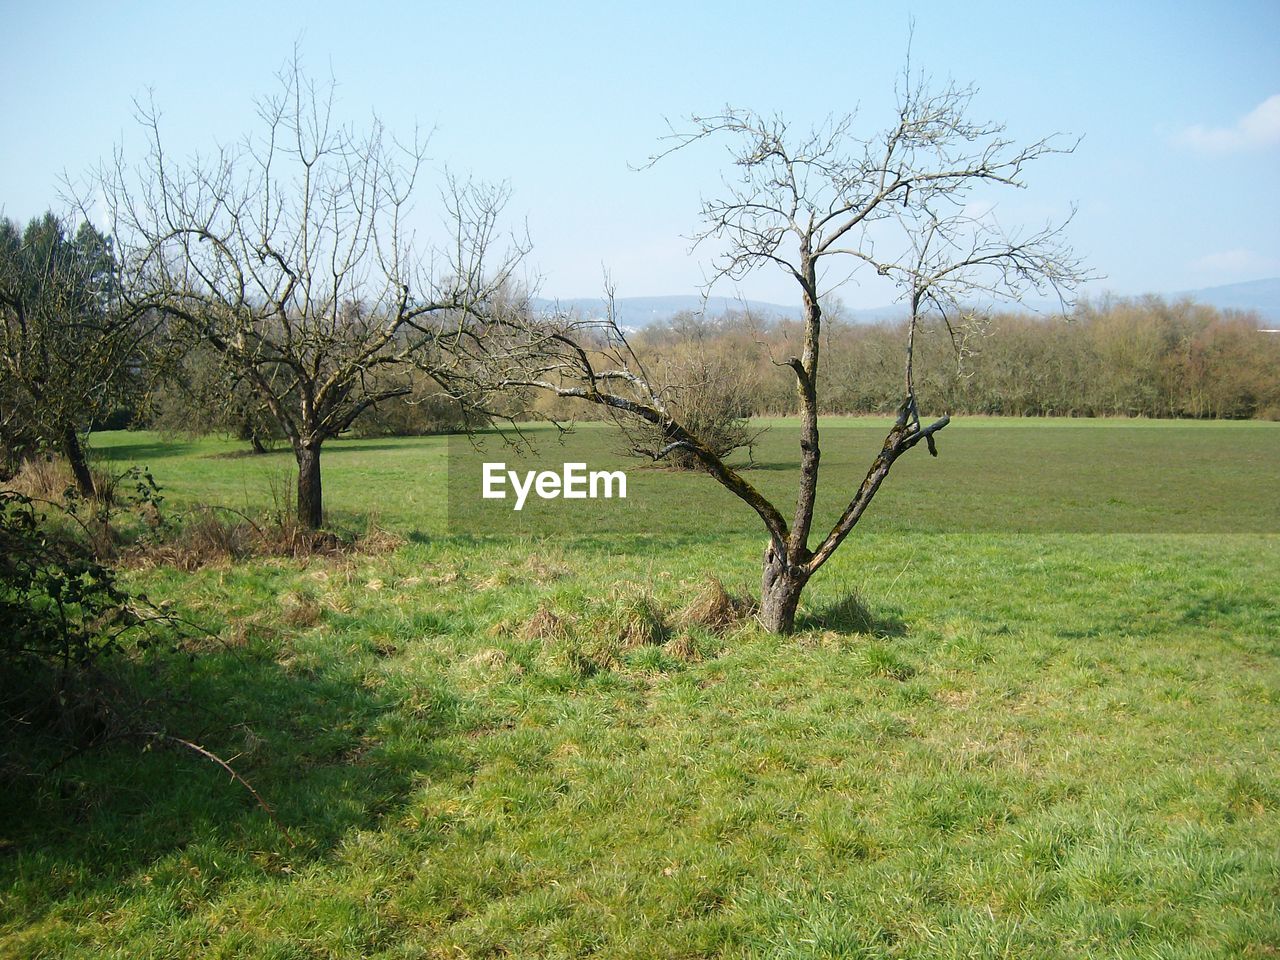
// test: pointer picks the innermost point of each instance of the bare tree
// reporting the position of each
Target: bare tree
(291, 255)
(821, 206)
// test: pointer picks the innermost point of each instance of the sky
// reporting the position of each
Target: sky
(1178, 104)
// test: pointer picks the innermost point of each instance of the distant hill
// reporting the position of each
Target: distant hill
(636, 312)
(1262, 296)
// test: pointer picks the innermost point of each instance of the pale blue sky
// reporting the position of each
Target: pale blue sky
(1176, 178)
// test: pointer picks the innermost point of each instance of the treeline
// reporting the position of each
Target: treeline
(1144, 357)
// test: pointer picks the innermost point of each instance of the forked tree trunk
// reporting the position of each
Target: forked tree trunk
(784, 576)
(73, 450)
(310, 498)
(780, 590)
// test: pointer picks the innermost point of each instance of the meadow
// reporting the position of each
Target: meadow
(1031, 712)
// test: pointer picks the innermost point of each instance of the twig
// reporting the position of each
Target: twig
(209, 755)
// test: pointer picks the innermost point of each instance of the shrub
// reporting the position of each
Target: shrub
(425, 412)
(709, 397)
(58, 603)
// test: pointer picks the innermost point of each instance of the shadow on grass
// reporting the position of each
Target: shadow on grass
(404, 444)
(768, 466)
(143, 450)
(314, 742)
(610, 546)
(850, 614)
(248, 454)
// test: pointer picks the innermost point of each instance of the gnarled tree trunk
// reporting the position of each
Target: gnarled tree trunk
(780, 590)
(310, 496)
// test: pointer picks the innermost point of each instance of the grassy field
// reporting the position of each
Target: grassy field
(995, 475)
(1024, 738)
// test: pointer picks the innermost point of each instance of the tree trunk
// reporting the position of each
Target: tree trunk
(256, 442)
(73, 450)
(780, 591)
(310, 502)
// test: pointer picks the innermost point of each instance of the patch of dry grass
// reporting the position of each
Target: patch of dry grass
(51, 480)
(220, 537)
(714, 609)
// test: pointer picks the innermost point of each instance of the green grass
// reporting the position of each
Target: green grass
(994, 475)
(1008, 744)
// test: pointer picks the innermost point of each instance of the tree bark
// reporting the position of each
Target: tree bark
(310, 497)
(806, 372)
(780, 590)
(73, 451)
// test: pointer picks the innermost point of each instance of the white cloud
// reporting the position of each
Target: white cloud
(1260, 127)
(978, 210)
(1237, 263)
